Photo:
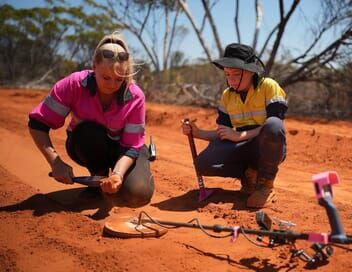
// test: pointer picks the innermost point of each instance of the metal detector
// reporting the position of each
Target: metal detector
(146, 226)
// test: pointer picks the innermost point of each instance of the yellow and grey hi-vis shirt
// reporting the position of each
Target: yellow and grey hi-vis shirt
(268, 99)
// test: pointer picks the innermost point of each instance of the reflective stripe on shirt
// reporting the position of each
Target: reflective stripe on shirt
(134, 128)
(56, 106)
(244, 115)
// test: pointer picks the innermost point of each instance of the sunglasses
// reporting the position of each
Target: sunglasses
(120, 56)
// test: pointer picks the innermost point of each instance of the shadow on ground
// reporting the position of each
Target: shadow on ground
(189, 200)
(71, 200)
(250, 264)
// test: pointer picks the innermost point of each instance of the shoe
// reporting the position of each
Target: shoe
(263, 195)
(249, 181)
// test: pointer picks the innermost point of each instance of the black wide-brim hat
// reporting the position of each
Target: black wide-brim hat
(240, 56)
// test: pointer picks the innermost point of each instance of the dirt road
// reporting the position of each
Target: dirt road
(48, 226)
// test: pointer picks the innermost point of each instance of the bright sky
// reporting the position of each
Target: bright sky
(295, 37)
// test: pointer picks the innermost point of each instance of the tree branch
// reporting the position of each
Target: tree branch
(258, 21)
(213, 27)
(283, 21)
(237, 27)
(146, 18)
(319, 60)
(267, 40)
(184, 6)
(173, 32)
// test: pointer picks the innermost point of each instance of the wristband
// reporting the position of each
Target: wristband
(117, 173)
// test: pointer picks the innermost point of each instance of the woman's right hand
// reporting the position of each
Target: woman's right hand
(189, 127)
(61, 171)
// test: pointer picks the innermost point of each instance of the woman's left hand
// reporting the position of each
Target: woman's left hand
(227, 133)
(111, 184)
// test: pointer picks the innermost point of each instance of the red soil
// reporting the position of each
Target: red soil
(45, 226)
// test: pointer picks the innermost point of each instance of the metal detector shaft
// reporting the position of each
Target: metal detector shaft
(278, 234)
(289, 235)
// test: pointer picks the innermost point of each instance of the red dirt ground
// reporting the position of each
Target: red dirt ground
(46, 226)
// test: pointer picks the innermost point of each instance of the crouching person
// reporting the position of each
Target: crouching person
(249, 142)
(106, 132)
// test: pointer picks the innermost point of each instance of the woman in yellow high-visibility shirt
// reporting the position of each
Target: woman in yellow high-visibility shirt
(249, 142)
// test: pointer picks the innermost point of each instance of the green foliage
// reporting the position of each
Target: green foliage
(44, 44)
(170, 4)
(35, 42)
(177, 59)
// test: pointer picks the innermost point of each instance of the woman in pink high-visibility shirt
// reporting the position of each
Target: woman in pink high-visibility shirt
(106, 131)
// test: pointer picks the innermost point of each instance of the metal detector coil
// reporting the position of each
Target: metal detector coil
(130, 227)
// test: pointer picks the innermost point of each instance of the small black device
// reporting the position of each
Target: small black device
(152, 150)
(263, 220)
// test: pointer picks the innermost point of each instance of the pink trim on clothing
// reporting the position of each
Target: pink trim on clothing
(68, 95)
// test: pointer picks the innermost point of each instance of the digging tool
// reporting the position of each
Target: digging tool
(90, 181)
(204, 193)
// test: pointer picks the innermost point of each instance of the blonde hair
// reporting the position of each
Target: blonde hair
(115, 38)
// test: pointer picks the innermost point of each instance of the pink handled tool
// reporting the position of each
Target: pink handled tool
(204, 193)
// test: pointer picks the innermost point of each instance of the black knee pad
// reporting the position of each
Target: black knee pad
(88, 144)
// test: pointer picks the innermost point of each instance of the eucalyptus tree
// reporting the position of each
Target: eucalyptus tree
(40, 41)
(306, 65)
(154, 23)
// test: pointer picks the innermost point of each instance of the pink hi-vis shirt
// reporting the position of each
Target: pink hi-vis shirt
(76, 94)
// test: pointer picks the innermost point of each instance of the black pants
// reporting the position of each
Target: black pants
(89, 146)
(229, 159)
